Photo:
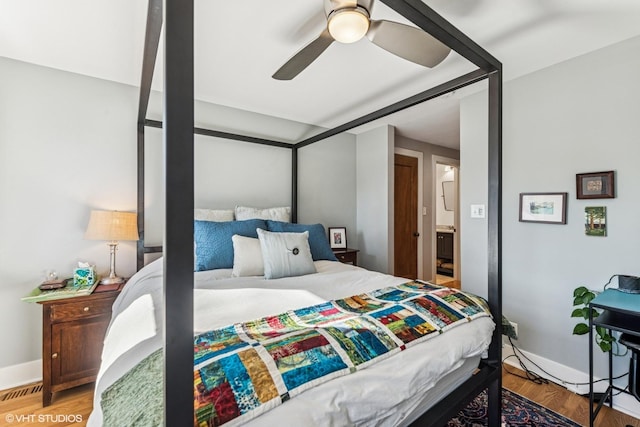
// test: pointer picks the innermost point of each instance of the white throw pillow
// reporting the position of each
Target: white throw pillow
(285, 254)
(247, 257)
(276, 214)
(219, 215)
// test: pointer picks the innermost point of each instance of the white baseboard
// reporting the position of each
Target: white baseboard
(17, 375)
(622, 402)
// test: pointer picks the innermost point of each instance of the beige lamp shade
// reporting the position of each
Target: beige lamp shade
(112, 225)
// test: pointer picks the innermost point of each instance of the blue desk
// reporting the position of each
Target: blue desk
(620, 311)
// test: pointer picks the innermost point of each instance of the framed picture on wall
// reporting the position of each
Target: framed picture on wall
(595, 221)
(550, 208)
(595, 185)
(338, 237)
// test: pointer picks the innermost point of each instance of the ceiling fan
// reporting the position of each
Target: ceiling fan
(350, 20)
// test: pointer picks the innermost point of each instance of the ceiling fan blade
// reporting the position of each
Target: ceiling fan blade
(304, 57)
(407, 42)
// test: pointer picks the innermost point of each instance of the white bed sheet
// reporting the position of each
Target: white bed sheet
(389, 393)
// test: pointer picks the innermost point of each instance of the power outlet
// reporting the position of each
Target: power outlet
(514, 325)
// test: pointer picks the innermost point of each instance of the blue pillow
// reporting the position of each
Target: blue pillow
(214, 246)
(318, 241)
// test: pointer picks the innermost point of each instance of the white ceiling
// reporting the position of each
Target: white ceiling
(240, 44)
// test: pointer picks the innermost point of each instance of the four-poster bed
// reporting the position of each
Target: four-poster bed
(178, 254)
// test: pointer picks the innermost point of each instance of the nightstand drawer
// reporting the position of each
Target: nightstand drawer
(80, 309)
(347, 256)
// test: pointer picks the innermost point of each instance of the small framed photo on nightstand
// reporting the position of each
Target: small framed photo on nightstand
(338, 237)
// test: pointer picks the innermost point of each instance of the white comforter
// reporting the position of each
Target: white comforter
(386, 393)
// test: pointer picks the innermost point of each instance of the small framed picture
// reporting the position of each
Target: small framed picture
(595, 185)
(550, 208)
(595, 221)
(338, 237)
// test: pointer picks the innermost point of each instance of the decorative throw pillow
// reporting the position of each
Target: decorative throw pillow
(318, 242)
(285, 254)
(214, 247)
(247, 257)
(276, 214)
(213, 214)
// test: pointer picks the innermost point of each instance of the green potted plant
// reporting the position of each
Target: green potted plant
(581, 299)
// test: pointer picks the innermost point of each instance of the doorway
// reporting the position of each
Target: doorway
(446, 217)
(408, 178)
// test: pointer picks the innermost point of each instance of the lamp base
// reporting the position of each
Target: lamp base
(112, 280)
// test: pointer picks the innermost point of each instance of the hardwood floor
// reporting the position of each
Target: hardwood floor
(75, 404)
(564, 402)
(447, 281)
(69, 408)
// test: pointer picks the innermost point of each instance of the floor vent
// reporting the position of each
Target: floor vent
(20, 392)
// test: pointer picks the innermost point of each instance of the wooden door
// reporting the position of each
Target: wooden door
(406, 217)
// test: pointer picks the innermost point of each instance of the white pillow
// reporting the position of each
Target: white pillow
(247, 257)
(276, 214)
(285, 254)
(219, 215)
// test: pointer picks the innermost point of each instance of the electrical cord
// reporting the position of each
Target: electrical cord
(610, 279)
(537, 378)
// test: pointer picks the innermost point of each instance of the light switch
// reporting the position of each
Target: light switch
(477, 211)
(424, 210)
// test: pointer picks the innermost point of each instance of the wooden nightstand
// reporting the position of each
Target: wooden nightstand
(73, 331)
(347, 256)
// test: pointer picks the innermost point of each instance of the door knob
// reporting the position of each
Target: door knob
(416, 234)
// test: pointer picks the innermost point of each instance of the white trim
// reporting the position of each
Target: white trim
(622, 402)
(419, 156)
(17, 375)
(436, 160)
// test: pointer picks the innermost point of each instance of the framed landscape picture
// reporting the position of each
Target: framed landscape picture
(550, 208)
(595, 223)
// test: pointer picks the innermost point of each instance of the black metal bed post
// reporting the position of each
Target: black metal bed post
(427, 19)
(140, 201)
(494, 231)
(294, 184)
(150, 53)
(179, 190)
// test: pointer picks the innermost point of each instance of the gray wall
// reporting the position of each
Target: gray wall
(428, 151)
(327, 184)
(374, 166)
(577, 116)
(68, 145)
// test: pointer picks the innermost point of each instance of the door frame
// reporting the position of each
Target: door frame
(420, 156)
(446, 161)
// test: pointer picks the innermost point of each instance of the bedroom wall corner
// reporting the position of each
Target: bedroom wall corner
(374, 168)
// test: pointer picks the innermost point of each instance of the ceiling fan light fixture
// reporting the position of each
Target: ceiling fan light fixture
(348, 25)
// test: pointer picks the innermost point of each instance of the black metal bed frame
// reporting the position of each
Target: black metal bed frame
(178, 135)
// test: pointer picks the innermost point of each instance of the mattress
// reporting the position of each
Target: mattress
(388, 393)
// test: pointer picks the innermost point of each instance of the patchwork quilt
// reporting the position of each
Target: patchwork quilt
(245, 369)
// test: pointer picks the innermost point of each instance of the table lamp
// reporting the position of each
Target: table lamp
(112, 226)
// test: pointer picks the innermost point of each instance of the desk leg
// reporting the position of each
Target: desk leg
(590, 369)
(610, 375)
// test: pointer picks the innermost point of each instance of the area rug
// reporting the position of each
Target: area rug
(516, 411)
